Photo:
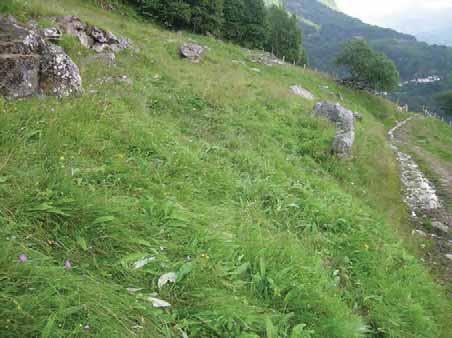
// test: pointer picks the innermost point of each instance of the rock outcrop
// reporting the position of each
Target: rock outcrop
(30, 65)
(92, 37)
(265, 58)
(192, 52)
(345, 124)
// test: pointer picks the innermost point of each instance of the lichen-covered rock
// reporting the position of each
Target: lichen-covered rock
(60, 76)
(345, 124)
(30, 65)
(18, 38)
(192, 52)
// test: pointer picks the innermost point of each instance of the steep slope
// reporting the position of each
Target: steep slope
(414, 59)
(214, 171)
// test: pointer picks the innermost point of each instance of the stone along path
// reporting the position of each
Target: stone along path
(425, 205)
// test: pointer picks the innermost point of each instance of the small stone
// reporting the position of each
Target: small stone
(419, 232)
(169, 277)
(159, 303)
(143, 262)
(52, 34)
(440, 226)
(134, 290)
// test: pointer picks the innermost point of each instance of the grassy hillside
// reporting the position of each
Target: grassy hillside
(224, 177)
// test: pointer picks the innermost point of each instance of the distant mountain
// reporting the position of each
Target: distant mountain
(326, 30)
(430, 25)
(330, 3)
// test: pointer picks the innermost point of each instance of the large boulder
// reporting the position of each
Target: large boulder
(30, 65)
(345, 124)
(192, 52)
(59, 75)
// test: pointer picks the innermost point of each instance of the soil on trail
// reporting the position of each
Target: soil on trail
(428, 195)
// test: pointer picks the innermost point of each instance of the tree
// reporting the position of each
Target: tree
(368, 68)
(284, 35)
(234, 18)
(444, 100)
(201, 16)
(207, 16)
(254, 24)
(175, 14)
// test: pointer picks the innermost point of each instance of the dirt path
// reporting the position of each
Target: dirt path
(429, 206)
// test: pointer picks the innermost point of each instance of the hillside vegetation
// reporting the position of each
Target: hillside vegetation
(224, 177)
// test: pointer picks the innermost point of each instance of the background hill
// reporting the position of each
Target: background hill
(431, 26)
(325, 30)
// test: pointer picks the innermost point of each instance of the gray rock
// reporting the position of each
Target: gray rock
(300, 91)
(19, 75)
(59, 76)
(345, 124)
(92, 37)
(192, 51)
(98, 35)
(30, 65)
(111, 38)
(265, 58)
(343, 143)
(71, 25)
(51, 34)
(17, 39)
(440, 226)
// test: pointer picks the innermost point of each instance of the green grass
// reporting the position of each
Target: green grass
(433, 136)
(222, 175)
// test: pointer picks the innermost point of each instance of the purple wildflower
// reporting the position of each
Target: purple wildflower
(68, 264)
(23, 258)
